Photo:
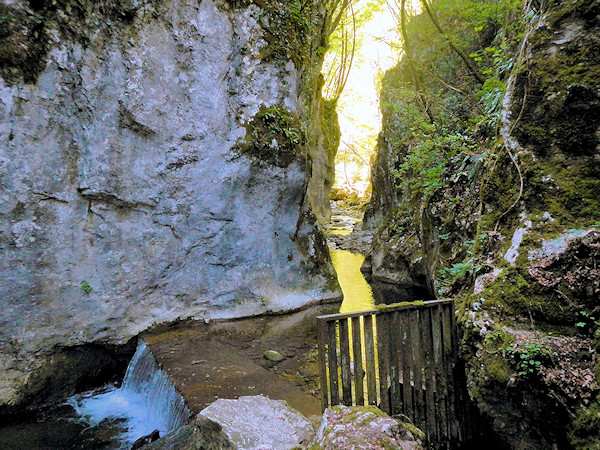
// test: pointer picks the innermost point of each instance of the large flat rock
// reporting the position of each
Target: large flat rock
(257, 422)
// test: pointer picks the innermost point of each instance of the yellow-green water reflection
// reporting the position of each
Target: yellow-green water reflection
(357, 292)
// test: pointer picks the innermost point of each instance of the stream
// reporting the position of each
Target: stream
(358, 295)
(114, 417)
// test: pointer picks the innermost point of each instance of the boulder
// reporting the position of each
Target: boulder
(273, 355)
(257, 422)
(199, 434)
(359, 427)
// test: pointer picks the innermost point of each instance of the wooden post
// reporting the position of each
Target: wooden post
(345, 363)
(333, 363)
(383, 342)
(406, 364)
(370, 356)
(419, 417)
(359, 372)
(395, 385)
(429, 374)
(441, 382)
(322, 329)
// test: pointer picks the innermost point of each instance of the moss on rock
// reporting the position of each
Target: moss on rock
(275, 135)
(26, 31)
(289, 26)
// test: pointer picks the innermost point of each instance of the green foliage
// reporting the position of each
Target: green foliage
(457, 270)
(587, 322)
(275, 135)
(438, 113)
(85, 287)
(529, 358)
(491, 95)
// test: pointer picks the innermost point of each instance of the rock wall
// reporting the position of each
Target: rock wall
(510, 227)
(154, 162)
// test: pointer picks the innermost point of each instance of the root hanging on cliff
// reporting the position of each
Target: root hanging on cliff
(519, 58)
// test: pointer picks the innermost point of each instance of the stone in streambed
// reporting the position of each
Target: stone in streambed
(272, 355)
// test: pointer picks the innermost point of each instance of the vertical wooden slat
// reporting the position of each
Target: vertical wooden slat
(460, 384)
(449, 372)
(333, 363)
(441, 382)
(370, 357)
(383, 340)
(395, 387)
(429, 375)
(359, 371)
(322, 330)
(405, 364)
(419, 403)
(345, 363)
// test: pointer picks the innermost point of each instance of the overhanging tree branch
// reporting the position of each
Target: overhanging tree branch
(468, 61)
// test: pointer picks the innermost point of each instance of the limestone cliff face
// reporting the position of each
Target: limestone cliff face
(510, 230)
(153, 166)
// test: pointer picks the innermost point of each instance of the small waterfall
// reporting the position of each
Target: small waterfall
(147, 400)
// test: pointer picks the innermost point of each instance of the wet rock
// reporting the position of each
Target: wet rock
(273, 355)
(139, 443)
(359, 427)
(258, 422)
(200, 434)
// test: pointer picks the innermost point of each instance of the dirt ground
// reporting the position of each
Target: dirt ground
(214, 360)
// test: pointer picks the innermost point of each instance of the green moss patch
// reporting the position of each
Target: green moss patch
(275, 135)
(562, 81)
(289, 25)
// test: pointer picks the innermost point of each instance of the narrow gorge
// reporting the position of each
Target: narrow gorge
(166, 168)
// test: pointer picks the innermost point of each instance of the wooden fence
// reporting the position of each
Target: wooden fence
(402, 359)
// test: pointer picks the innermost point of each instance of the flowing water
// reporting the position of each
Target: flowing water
(146, 401)
(358, 295)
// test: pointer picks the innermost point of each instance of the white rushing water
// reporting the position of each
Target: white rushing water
(147, 400)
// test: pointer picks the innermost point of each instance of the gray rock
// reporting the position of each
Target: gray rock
(358, 427)
(272, 355)
(258, 422)
(199, 434)
(122, 201)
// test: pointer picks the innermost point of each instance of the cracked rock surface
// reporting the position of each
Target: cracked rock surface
(122, 203)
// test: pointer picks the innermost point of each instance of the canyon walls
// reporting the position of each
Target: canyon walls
(487, 192)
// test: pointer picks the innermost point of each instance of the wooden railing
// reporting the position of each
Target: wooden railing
(402, 359)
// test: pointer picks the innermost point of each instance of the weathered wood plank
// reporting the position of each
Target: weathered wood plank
(345, 363)
(460, 385)
(449, 363)
(383, 354)
(339, 316)
(428, 375)
(322, 330)
(417, 364)
(359, 371)
(406, 366)
(441, 397)
(395, 386)
(370, 357)
(332, 350)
